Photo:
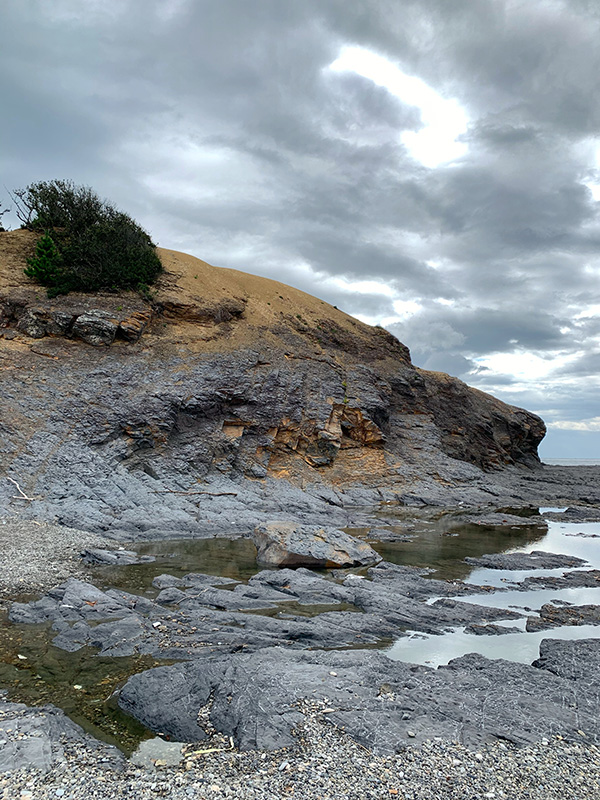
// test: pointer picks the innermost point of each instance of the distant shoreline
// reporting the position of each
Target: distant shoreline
(571, 462)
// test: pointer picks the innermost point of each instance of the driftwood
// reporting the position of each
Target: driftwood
(21, 495)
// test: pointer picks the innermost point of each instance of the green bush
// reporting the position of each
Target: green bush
(87, 244)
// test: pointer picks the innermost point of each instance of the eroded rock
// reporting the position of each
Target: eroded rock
(96, 327)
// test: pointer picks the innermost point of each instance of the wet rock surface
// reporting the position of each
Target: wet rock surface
(490, 630)
(553, 616)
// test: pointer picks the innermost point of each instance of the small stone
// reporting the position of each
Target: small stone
(411, 734)
(478, 757)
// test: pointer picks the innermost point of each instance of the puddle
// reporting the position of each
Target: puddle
(522, 647)
(81, 683)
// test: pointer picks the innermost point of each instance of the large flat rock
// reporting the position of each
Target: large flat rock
(384, 705)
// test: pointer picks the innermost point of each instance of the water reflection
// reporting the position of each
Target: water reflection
(443, 544)
(227, 558)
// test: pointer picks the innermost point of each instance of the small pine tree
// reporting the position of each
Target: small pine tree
(45, 267)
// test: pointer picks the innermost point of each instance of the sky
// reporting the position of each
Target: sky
(426, 165)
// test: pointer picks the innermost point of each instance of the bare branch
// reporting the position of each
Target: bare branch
(22, 495)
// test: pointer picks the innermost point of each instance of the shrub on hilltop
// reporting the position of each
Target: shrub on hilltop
(87, 244)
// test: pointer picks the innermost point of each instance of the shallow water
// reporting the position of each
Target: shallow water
(81, 683)
(443, 544)
(522, 647)
(227, 558)
(577, 539)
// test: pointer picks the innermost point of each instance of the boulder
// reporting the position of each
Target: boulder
(96, 327)
(286, 544)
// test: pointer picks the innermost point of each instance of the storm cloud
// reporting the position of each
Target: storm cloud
(229, 130)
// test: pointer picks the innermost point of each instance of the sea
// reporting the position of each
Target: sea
(572, 462)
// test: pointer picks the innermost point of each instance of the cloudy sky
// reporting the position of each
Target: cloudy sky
(429, 165)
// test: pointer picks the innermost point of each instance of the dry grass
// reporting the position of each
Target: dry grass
(197, 299)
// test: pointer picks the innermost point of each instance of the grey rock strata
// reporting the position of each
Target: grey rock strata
(523, 561)
(553, 616)
(189, 618)
(384, 705)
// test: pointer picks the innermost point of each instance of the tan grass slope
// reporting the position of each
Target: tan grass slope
(204, 308)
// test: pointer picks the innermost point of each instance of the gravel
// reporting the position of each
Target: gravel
(35, 556)
(324, 764)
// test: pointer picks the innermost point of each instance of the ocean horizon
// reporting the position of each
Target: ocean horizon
(572, 462)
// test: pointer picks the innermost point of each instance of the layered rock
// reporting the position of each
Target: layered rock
(227, 385)
(386, 706)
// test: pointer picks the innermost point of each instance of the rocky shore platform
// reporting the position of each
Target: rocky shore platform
(271, 687)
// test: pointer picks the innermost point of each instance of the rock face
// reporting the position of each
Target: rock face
(286, 544)
(384, 705)
(243, 397)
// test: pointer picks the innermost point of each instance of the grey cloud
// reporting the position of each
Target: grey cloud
(584, 366)
(482, 330)
(314, 178)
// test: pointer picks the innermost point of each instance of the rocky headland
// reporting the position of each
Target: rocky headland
(224, 405)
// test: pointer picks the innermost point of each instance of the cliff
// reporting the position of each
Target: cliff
(125, 414)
